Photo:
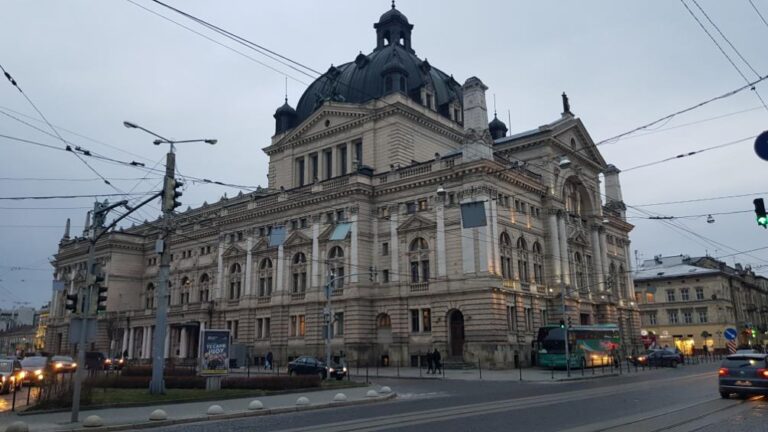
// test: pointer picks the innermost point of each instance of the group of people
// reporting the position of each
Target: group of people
(434, 366)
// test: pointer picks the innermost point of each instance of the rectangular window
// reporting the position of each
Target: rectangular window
(385, 276)
(328, 156)
(650, 297)
(313, 168)
(652, 318)
(300, 180)
(236, 329)
(473, 214)
(338, 324)
(544, 317)
(342, 159)
(359, 152)
(302, 326)
(426, 320)
(297, 327)
(528, 319)
(670, 295)
(672, 317)
(702, 316)
(511, 318)
(422, 205)
(340, 217)
(385, 248)
(688, 317)
(699, 293)
(451, 198)
(684, 294)
(303, 222)
(410, 207)
(294, 224)
(415, 321)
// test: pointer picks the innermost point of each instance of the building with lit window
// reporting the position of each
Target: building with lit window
(688, 302)
(440, 229)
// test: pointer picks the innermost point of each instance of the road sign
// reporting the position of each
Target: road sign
(730, 333)
(761, 145)
(75, 326)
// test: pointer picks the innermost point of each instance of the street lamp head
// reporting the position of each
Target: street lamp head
(211, 141)
(130, 125)
(157, 142)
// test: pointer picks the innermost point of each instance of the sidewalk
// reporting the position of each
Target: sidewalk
(138, 417)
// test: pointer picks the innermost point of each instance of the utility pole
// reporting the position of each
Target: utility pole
(566, 321)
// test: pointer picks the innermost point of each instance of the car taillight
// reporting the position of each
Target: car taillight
(722, 372)
(763, 373)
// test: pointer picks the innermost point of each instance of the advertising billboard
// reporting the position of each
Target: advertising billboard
(215, 355)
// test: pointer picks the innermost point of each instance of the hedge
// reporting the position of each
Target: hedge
(146, 371)
(271, 382)
(197, 382)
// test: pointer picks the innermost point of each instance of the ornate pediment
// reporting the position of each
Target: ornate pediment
(416, 223)
(261, 245)
(233, 251)
(297, 239)
(578, 235)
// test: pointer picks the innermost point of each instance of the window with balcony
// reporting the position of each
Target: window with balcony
(522, 260)
(235, 281)
(419, 259)
(299, 272)
(265, 278)
(336, 266)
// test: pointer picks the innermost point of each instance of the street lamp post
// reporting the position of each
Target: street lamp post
(157, 385)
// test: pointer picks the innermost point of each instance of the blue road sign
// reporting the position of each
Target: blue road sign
(730, 334)
(761, 145)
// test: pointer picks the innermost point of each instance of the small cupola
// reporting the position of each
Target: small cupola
(394, 74)
(497, 128)
(285, 118)
(393, 28)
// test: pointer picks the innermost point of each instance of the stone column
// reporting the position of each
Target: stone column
(598, 257)
(604, 255)
(247, 289)
(131, 341)
(394, 244)
(440, 239)
(280, 269)
(220, 270)
(468, 249)
(628, 274)
(315, 251)
(494, 225)
(554, 246)
(353, 258)
(563, 236)
(183, 343)
(124, 345)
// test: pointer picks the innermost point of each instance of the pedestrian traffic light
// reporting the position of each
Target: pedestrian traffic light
(71, 304)
(562, 324)
(101, 298)
(762, 218)
(170, 194)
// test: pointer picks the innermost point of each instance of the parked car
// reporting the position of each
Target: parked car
(660, 357)
(11, 375)
(306, 365)
(338, 370)
(115, 363)
(63, 364)
(35, 369)
(743, 374)
(95, 360)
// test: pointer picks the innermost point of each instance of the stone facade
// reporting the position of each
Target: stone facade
(374, 191)
(688, 302)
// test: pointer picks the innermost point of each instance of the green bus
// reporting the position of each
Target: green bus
(590, 345)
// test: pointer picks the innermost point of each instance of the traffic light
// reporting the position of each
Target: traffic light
(71, 304)
(762, 218)
(170, 194)
(754, 333)
(101, 298)
(562, 324)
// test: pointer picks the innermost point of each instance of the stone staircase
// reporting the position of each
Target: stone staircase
(457, 363)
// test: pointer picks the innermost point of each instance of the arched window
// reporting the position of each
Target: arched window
(204, 291)
(622, 276)
(538, 264)
(505, 244)
(235, 281)
(383, 321)
(336, 265)
(522, 260)
(149, 296)
(612, 279)
(265, 278)
(299, 271)
(419, 258)
(186, 286)
(581, 283)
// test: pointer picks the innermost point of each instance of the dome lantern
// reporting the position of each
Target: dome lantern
(285, 118)
(393, 28)
(497, 128)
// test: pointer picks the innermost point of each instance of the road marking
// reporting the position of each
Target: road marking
(460, 411)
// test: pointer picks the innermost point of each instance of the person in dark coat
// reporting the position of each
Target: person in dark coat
(430, 362)
(268, 362)
(436, 359)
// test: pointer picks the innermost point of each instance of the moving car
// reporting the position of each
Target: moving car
(63, 364)
(35, 369)
(11, 375)
(338, 370)
(115, 363)
(306, 365)
(660, 357)
(743, 374)
(95, 360)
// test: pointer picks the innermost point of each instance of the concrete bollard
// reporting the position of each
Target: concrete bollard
(372, 393)
(385, 390)
(340, 397)
(158, 415)
(255, 405)
(303, 400)
(93, 421)
(215, 410)
(18, 426)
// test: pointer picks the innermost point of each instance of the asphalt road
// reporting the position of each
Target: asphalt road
(685, 398)
(6, 400)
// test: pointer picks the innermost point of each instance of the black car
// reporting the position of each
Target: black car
(743, 374)
(338, 370)
(306, 365)
(95, 361)
(660, 357)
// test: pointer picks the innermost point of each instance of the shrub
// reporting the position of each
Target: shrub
(146, 371)
(271, 382)
(133, 382)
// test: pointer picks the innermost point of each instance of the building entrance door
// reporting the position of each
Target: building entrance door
(456, 327)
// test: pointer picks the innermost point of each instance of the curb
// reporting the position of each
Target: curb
(586, 378)
(230, 416)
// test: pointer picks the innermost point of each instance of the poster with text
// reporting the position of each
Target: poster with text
(215, 360)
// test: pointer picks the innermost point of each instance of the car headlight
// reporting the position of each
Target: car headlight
(121, 361)
(331, 370)
(59, 365)
(3, 378)
(641, 358)
(39, 372)
(74, 364)
(22, 375)
(345, 369)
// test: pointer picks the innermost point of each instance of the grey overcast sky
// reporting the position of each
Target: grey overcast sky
(89, 65)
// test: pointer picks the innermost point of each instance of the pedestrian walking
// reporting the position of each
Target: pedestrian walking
(436, 359)
(268, 361)
(430, 362)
